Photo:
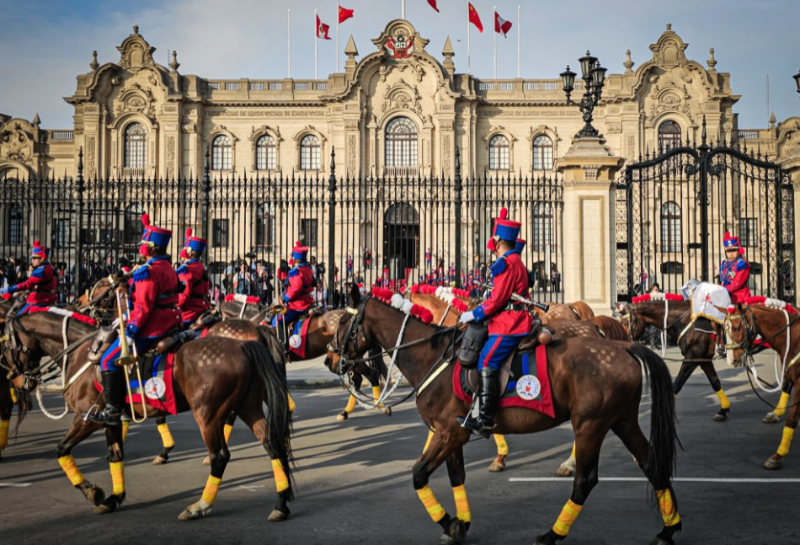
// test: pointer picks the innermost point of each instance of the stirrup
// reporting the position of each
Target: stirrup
(475, 426)
(105, 417)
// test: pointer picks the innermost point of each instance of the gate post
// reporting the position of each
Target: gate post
(205, 204)
(458, 187)
(704, 233)
(331, 261)
(79, 245)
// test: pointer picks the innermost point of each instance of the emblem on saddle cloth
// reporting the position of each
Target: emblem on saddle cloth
(155, 388)
(528, 387)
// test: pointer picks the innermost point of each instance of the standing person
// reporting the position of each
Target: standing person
(298, 295)
(193, 300)
(42, 283)
(735, 270)
(349, 263)
(652, 331)
(555, 278)
(261, 279)
(367, 259)
(216, 295)
(241, 281)
(508, 322)
(154, 311)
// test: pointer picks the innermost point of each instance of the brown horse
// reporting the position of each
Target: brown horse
(596, 384)
(697, 347)
(743, 324)
(244, 375)
(565, 311)
(7, 394)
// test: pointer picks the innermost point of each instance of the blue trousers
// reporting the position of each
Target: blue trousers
(497, 349)
(287, 317)
(109, 360)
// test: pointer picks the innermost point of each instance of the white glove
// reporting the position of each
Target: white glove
(115, 323)
(466, 318)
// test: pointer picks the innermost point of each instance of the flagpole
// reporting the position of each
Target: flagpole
(404, 9)
(316, 30)
(495, 42)
(519, 38)
(468, 39)
(338, 7)
(289, 41)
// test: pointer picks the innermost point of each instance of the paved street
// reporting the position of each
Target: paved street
(354, 481)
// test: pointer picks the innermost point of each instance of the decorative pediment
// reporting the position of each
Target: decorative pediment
(16, 145)
(135, 52)
(258, 132)
(400, 40)
(670, 49)
(135, 99)
(401, 96)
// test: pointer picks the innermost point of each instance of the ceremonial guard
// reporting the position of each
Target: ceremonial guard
(298, 290)
(41, 284)
(193, 300)
(153, 306)
(735, 270)
(508, 322)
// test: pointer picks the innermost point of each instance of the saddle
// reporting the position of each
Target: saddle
(703, 325)
(207, 319)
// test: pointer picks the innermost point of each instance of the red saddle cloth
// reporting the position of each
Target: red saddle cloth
(157, 389)
(528, 387)
(300, 329)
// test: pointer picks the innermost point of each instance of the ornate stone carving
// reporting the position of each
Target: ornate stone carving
(402, 96)
(630, 146)
(352, 154)
(16, 146)
(91, 161)
(446, 155)
(170, 157)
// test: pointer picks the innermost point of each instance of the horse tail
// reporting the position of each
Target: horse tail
(662, 458)
(276, 390)
(378, 364)
(273, 344)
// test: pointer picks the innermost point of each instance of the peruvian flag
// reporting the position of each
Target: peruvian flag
(474, 18)
(433, 5)
(322, 30)
(344, 14)
(501, 25)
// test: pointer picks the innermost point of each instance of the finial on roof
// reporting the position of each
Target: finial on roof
(669, 27)
(350, 49)
(136, 29)
(628, 64)
(37, 121)
(448, 50)
(94, 65)
(174, 64)
(712, 62)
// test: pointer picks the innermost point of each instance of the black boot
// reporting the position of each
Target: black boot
(114, 392)
(488, 402)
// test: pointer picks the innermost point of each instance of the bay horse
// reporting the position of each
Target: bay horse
(743, 324)
(244, 374)
(596, 384)
(697, 347)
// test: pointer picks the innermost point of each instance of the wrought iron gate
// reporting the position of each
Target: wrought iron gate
(674, 209)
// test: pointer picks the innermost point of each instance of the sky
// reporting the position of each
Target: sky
(45, 44)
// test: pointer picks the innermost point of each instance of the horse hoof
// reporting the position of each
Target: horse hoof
(771, 418)
(159, 460)
(196, 511)
(567, 469)
(387, 411)
(277, 516)
(773, 463)
(498, 464)
(95, 495)
(456, 532)
(109, 505)
(721, 416)
(207, 461)
(342, 416)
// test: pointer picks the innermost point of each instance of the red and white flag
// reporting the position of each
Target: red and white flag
(322, 30)
(474, 18)
(345, 14)
(433, 5)
(501, 25)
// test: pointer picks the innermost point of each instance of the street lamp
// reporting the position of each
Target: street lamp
(797, 80)
(594, 77)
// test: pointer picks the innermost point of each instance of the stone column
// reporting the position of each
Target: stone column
(589, 170)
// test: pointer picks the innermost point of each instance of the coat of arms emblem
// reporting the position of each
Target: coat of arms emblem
(400, 46)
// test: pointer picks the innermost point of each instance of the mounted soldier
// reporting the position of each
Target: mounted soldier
(298, 290)
(42, 283)
(154, 312)
(508, 322)
(193, 300)
(735, 270)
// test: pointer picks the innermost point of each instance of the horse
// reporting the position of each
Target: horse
(596, 384)
(697, 347)
(743, 324)
(244, 374)
(565, 311)
(8, 395)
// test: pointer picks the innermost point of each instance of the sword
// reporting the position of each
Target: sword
(520, 299)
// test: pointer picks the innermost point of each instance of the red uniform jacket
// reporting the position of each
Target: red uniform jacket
(193, 300)
(154, 296)
(41, 285)
(733, 275)
(300, 285)
(510, 276)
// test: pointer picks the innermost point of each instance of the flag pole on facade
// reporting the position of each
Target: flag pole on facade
(469, 30)
(316, 36)
(495, 43)
(519, 38)
(404, 9)
(289, 42)
(338, 17)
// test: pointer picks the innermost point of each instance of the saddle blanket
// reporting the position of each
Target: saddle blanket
(158, 390)
(298, 337)
(528, 386)
(705, 300)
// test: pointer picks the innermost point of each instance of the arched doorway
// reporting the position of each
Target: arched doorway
(401, 238)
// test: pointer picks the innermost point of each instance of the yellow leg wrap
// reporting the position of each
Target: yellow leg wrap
(117, 477)
(71, 469)
(351, 404)
(226, 431)
(125, 426)
(435, 509)
(166, 436)
(376, 394)
(211, 489)
(668, 512)
(788, 434)
(462, 503)
(573, 451)
(14, 396)
(4, 433)
(281, 480)
(428, 441)
(567, 517)
(292, 405)
(724, 402)
(780, 410)
(502, 446)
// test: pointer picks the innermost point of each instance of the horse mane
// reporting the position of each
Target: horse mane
(613, 329)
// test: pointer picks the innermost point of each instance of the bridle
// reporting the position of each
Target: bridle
(750, 333)
(354, 327)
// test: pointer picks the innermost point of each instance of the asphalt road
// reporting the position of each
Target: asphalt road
(354, 483)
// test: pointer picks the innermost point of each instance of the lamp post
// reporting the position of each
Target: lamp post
(593, 76)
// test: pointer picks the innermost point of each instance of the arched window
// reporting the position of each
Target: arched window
(498, 153)
(265, 227)
(401, 143)
(221, 153)
(542, 153)
(542, 225)
(132, 224)
(265, 153)
(135, 146)
(16, 223)
(669, 136)
(309, 153)
(671, 239)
